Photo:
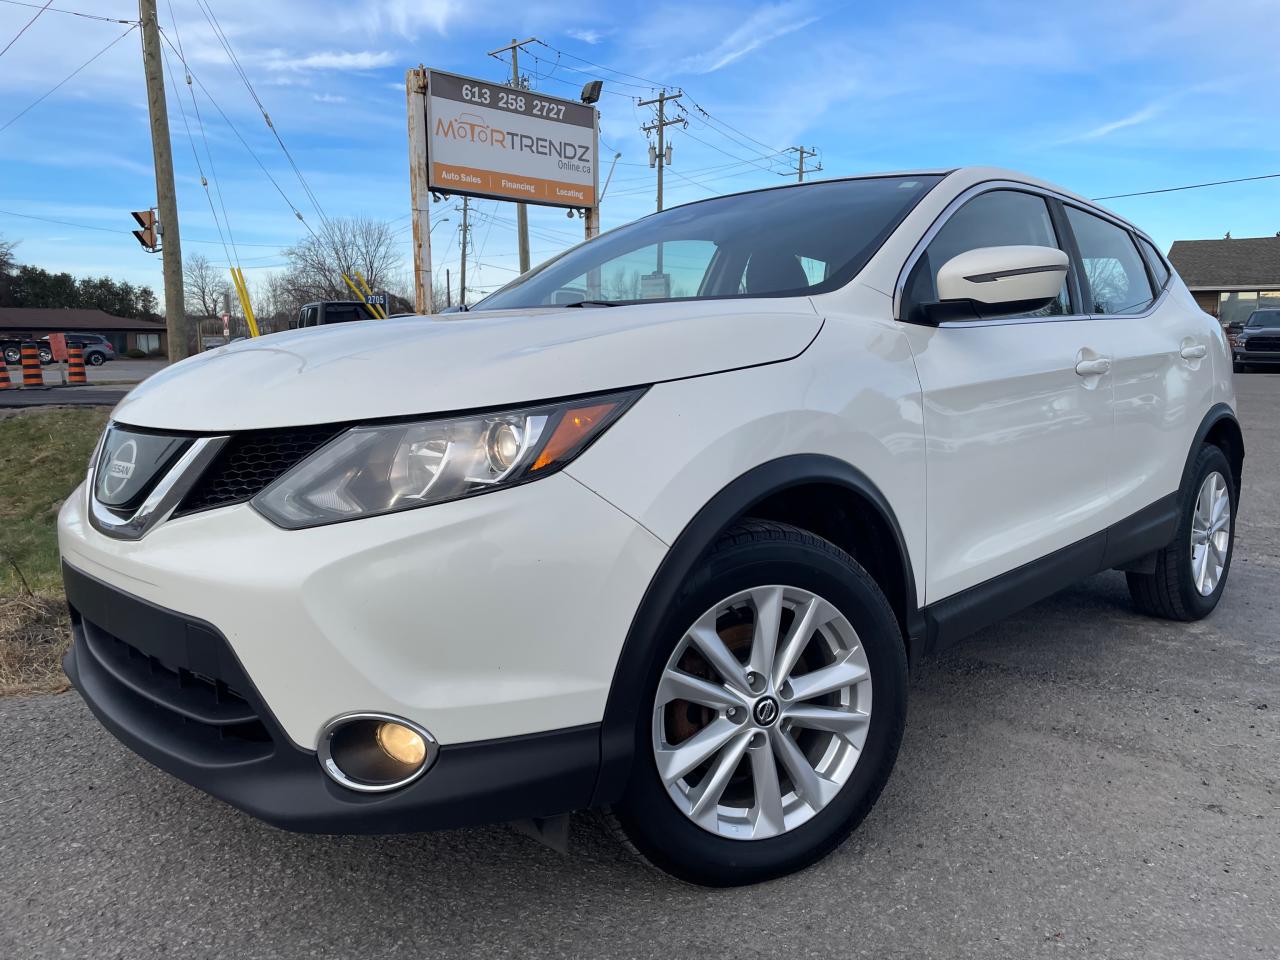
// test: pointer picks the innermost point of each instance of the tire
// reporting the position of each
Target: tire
(95, 359)
(1172, 591)
(12, 355)
(861, 634)
(1238, 367)
(46, 356)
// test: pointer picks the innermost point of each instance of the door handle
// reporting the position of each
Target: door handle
(1093, 368)
(1194, 351)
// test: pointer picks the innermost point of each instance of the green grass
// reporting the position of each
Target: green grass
(43, 456)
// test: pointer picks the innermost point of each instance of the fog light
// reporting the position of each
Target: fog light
(373, 752)
(401, 744)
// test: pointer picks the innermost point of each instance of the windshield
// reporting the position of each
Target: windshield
(1264, 318)
(785, 242)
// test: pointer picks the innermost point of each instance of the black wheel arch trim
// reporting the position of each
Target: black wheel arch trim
(1216, 415)
(732, 502)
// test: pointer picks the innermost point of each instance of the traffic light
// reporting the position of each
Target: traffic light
(148, 236)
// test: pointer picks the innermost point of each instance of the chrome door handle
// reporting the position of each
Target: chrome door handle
(1093, 368)
(1194, 351)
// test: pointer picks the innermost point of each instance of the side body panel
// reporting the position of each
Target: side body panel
(853, 395)
(1161, 395)
(1019, 444)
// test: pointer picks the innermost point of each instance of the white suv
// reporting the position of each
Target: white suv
(659, 527)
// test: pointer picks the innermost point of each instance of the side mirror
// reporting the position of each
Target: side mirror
(998, 281)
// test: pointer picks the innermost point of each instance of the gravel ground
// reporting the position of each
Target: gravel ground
(1078, 781)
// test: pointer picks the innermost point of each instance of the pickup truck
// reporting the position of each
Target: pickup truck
(331, 311)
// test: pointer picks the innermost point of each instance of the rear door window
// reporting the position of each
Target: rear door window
(1114, 273)
(1159, 269)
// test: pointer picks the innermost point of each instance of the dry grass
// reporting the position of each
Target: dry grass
(43, 454)
(34, 634)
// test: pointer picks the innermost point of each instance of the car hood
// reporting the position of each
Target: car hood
(425, 365)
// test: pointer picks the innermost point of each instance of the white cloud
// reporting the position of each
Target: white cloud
(1149, 112)
(328, 98)
(592, 37)
(333, 60)
(761, 27)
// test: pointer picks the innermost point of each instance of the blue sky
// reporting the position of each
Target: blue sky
(1101, 97)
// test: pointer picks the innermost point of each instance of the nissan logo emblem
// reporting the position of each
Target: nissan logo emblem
(766, 711)
(120, 469)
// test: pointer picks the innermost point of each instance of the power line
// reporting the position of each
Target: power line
(235, 61)
(239, 136)
(195, 106)
(74, 13)
(54, 89)
(24, 28)
(89, 226)
(1190, 186)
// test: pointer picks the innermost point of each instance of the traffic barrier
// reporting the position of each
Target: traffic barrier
(75, 364)
(4, 375)
(32, 373)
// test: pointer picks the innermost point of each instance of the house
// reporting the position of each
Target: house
(123, 332)
(1230, 278)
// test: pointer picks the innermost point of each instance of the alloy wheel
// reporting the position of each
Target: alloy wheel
(1210, 533)
(762, 712)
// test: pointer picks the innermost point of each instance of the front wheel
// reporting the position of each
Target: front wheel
(1191, 572)
(775, 704)
(12, 355)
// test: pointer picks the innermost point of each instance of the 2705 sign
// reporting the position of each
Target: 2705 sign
(487, 140)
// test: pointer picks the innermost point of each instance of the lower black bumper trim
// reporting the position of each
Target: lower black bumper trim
(489, 781)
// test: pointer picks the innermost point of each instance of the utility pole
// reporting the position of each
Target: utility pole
(522, 212)
(662, 157)
(462, 269)
(802, 153)
(660, 125)
(448, 288)
(166, 195)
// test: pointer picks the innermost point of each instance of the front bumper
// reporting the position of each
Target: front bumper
(175, 694)
(1259, 357)
(491, 617)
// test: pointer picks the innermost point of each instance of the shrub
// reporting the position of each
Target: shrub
(133, 353)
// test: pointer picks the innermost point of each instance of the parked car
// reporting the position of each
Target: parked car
(96, 348)
(1257, 341)
(671, 558)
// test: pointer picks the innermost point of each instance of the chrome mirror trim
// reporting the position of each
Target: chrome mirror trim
(162, 501)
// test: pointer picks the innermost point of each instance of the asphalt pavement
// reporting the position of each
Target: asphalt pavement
(107, 385)
(1076, 781)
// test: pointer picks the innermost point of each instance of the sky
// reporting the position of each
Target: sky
(1102, 97)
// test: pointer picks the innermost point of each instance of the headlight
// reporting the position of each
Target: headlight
(398, 466)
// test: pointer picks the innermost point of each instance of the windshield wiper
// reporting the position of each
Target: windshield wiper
(593, 303)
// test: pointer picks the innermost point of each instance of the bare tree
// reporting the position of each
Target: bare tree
(205, 286)
(346, 245)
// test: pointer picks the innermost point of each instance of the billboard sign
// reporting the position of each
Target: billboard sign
(503, 143)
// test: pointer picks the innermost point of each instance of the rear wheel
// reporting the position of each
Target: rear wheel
(773, 712)
(96, 359)
(12, 355)
(1191, 572)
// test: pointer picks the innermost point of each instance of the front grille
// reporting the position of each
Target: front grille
(250, 462)
(1262, 343)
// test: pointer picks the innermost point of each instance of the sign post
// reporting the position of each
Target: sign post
(58, 347)
(487, 140)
